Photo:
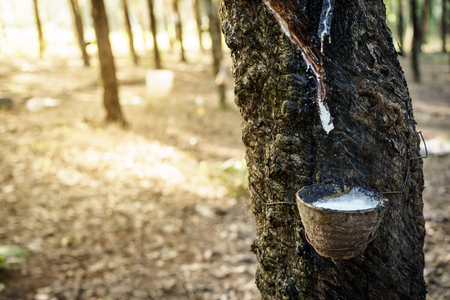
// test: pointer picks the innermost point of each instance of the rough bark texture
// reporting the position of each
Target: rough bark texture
(39, 29)
(107, 67)
(129, 32)
(154, 32)
(78, 24)
(371, 145)
(178, 27)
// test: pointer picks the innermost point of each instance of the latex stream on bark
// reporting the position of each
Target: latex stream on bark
(296, 31)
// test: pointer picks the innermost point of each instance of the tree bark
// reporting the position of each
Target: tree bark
(178, 27)
(338, 57)
(154, 33)
(415, 48)
(129, 32)
(78, 24)
(39, 29)
(198, 20)
(107, 67)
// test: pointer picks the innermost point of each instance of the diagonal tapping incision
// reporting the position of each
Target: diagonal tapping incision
(293, 25)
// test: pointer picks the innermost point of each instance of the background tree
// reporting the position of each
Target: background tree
(426, 14)
(198, 21)
(215, 37)
(178, 27)
(138, 10)
(154, 34)
(400, 25)
(39, 29)
(348, 68)
(217, 53)
(167, 15)
(444, 25)
(415, 47)
(79, 31)
(129, 30)
(107, 66)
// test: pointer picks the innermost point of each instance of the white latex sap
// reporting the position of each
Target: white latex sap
(354, 200)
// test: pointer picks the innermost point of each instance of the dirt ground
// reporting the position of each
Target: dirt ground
(159, 210)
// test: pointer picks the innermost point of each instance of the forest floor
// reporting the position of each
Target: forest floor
(159, 210)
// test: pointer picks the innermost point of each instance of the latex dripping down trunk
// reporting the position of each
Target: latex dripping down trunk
(295, 29)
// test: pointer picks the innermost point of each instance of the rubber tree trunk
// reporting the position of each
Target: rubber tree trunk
(215, 37)
(333, 68)
(215, 8)
(107, 67)
(400, 25)
(140, 19)
(444, 25)
(39, 29)
(426, 14)
(198, 20)
(167, 20)
(129, 30)
(152, 18)
(415, 47)
(79, 31)
(216, 49)
(178, 27)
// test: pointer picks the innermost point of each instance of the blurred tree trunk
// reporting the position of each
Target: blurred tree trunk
(214, 30)
(129, 32)
(426, 13)
(167, 22)
(151, 13)
(39, 29)
(2, 32)
(198, 20)
(283, 88)
(215, 37)
(140, 19)
(107, 67)
(415, 47)
(178, 27)
(400, 25)
(79, 31)
(215, 9)
(444, 25)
